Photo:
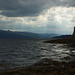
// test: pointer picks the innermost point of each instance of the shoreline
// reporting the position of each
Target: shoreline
(68, 41)
(45, 67)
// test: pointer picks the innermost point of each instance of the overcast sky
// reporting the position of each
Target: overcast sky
(38, 16)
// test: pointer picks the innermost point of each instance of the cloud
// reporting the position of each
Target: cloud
(15, 8)
(40, 16)
(20, 8)
(53, 20)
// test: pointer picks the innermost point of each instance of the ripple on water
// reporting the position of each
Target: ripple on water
(26, 52)
(55, 51)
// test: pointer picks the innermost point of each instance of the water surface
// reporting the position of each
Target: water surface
(21, 53)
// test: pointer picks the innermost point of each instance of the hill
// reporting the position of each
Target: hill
(39, 36)
(25, 35)
(10, 34)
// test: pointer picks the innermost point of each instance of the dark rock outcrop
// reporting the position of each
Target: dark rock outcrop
(73, 33)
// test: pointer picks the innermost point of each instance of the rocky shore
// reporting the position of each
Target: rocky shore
(69, 41)
(45, 67)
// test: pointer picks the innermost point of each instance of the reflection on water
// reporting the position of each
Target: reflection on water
(55, 51)
(20, 52)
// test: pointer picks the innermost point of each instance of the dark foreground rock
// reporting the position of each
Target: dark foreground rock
(45, 67)
(69, 41)
(63, 41)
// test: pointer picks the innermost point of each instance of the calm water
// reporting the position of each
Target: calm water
(19, 52)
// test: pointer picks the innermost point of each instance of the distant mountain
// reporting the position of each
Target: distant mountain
(25, 35)
(50, 35)
(10, 34)
(39, 36)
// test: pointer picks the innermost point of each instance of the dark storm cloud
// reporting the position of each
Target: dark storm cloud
(21, 7)
(15, 8)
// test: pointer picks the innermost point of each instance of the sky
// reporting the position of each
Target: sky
(38, 16)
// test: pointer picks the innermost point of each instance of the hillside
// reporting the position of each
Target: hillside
(25, 35)
(10, 34)
(39, 36)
